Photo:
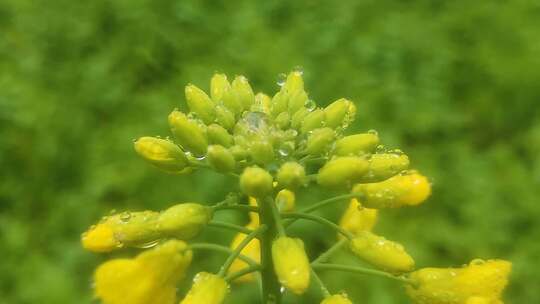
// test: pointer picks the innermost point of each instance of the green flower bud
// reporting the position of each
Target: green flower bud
(291, 175)
(294, 82)
(239, 153)
(225, 117)
(232, 101)
(219, 135)
(162, 154)
(219, 85)
(298, 118)
(381, 253)
(297, 100)
(338, 112)
(262, 152)
(220, 158)
(283, 120)
(342, 172)
(183, 221)
(385, 165)
(244, 93)
(319, 141)
(313, 120)
(199, 103)
(357, 144)
(262, 103)
(190, 134)
(256, 182)
(280, 103)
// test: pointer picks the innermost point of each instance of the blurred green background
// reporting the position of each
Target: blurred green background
(455, 84)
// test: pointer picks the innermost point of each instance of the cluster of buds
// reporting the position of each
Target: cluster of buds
(275, 147)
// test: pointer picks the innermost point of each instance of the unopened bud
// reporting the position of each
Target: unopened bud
(280, 103)
(190, 134)
(410, 189)
(207, 288)
(262, 152)
(256, 182)
(319, 141)
(298, 117)
(357, 218)
(219, 135)
(119, 230)
(381, 253)
(244, 93)
(294, 82)
(385, 165)
(313, 120)
(238, 152)
(336, 299)
(283, 120)
(338, 112)
(199, 103)
(342, 172)
(285, 200)
(219, 85)
(220, 158)
(263, 103)
(357, 144)
(183, 221)
(296, 101)
(225, 117)
(291, 264)
(162, 154)
(291, 175)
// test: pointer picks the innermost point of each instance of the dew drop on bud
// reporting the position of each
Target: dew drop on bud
(281, 79)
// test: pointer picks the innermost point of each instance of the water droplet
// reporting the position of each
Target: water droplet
(477, 262)
(125, 216)
(310, 105)
(147, 245)
(373, 132)
(298, 69)
(380, 149)
(281, 79)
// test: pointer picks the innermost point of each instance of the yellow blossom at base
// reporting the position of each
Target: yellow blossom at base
(291, 264)
(252, 250)
(357, 218)
(336, 299)
(381, 253)
(207, 288)
(149, 278)
(478, 283)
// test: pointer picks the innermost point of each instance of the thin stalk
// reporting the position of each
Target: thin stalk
(321, 204)
(328, 253)
(236, 207)
(317, 279)
(230, 226)
(214, 247)
(236, 275)
(277, 219)
(270, 286)
(321, 220)
(361, 270)
(238, 249)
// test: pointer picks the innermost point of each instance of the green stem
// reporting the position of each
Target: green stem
(317, 279)
(328, 253)
(277, 219)
(321, 220)
(230, 226)
(214, 247)
(236, 207)
(361, 270)
(238, 249)
(322, 203)
(270, 284)
(236, 275)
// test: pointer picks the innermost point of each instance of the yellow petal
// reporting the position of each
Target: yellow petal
(207, 288)
(291, 264)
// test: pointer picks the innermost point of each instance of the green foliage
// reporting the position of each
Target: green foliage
(454, 84)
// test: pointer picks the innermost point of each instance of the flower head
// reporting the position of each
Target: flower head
(477, 283)
(149, 278)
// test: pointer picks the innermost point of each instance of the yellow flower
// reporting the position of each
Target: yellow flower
(481, 282)
(207, 288)
(285, 200)
(291, 264)
(342, 172)
(149, 278)
(336, 299)
(119, 230)
(357, 218)
(162, 154)
(407, 189)
(382, 253)
(252, 250)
